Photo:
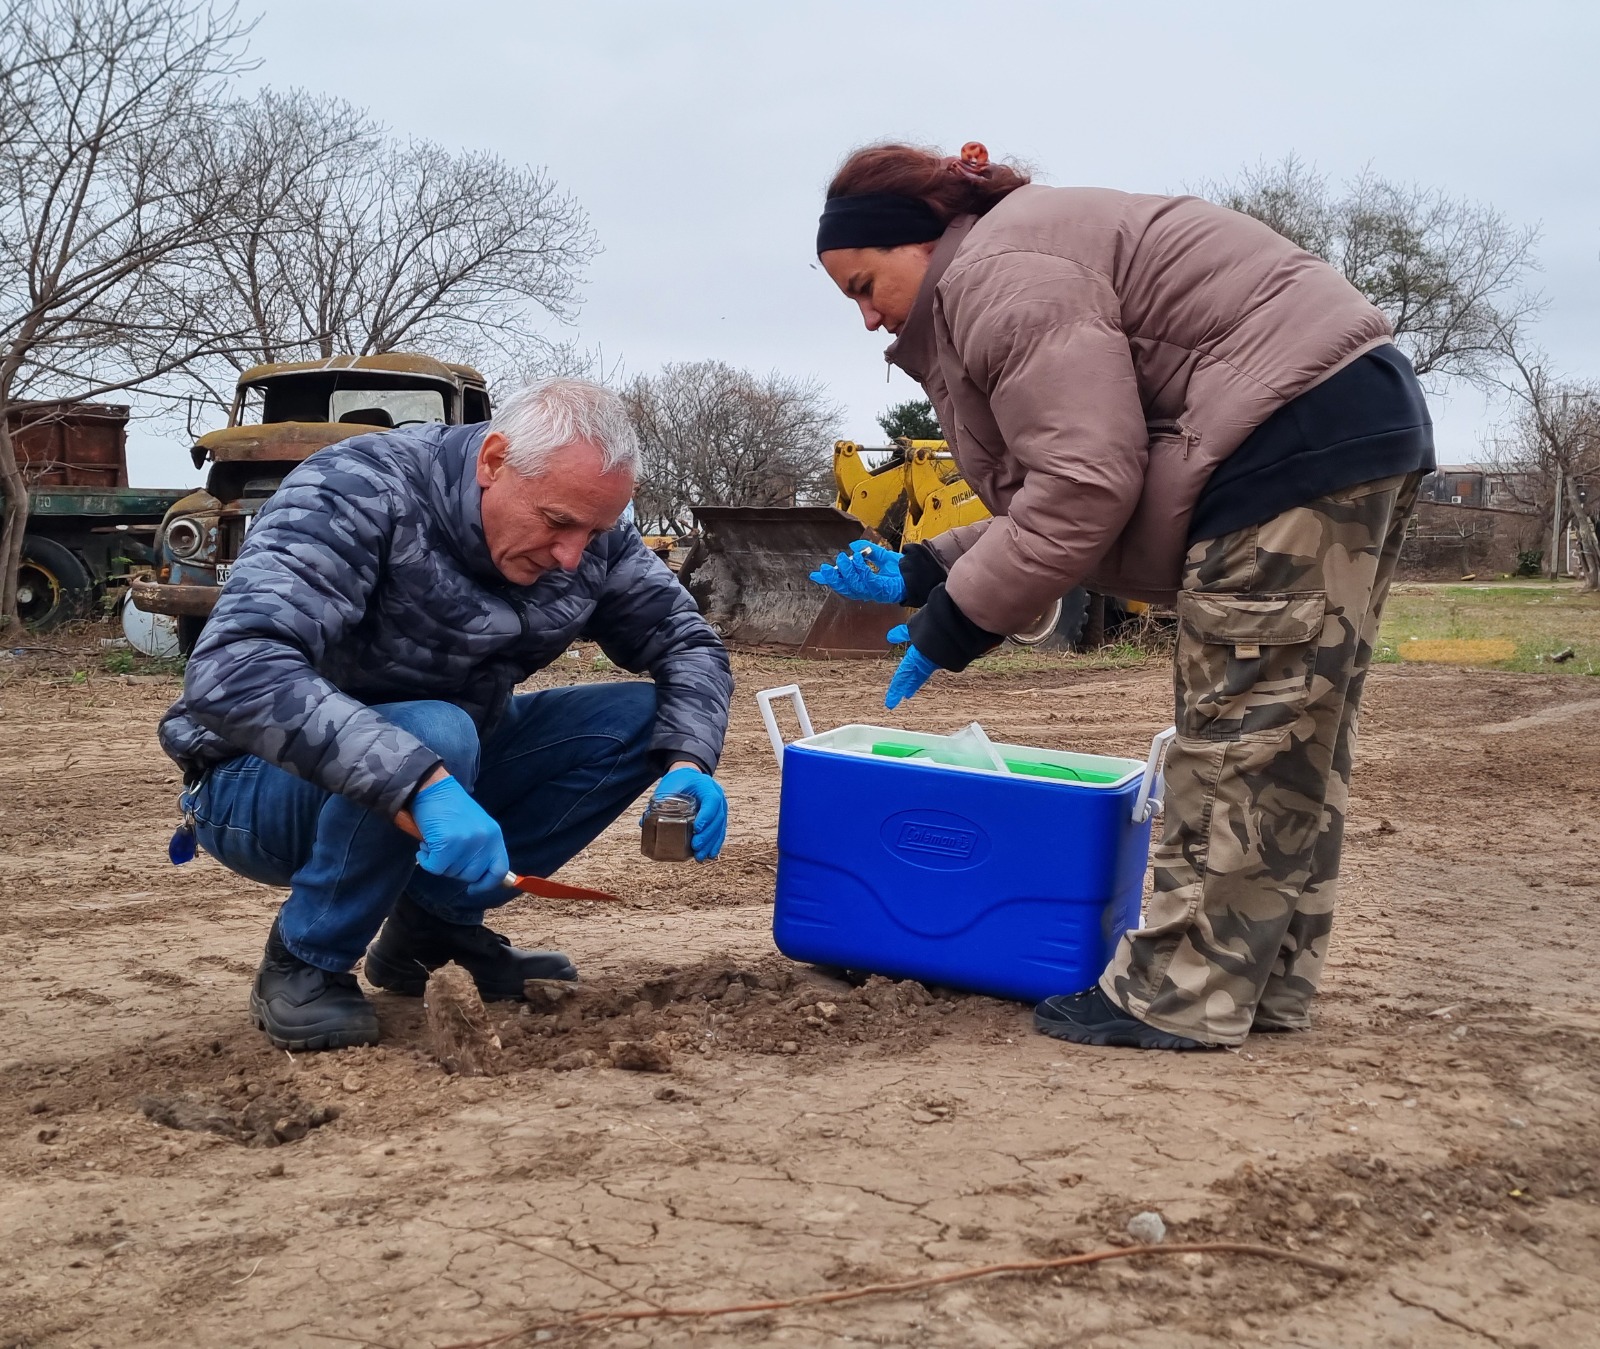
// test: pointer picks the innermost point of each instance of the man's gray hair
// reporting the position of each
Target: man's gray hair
(542, 417)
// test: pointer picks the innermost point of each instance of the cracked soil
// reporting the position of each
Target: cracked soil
(169, 1179)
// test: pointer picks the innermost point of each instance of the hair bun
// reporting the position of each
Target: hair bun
(967, 183)
(973, 161)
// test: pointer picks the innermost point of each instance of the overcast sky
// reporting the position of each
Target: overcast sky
(699, 137)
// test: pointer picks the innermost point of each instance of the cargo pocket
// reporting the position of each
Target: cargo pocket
(1245, 663)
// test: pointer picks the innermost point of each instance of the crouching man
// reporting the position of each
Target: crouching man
(353, 691)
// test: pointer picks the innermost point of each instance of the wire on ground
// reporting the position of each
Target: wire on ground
(606, 1316)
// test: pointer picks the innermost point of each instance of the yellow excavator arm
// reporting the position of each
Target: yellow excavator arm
(875, 496)
(914, 493)
(938, 497)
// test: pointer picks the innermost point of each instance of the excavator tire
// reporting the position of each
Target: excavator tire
(1058, 628)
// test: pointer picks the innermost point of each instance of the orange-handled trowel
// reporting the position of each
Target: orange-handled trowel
(529, 885)
(537, 885)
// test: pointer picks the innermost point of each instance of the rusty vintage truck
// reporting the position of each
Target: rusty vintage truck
(281, 415)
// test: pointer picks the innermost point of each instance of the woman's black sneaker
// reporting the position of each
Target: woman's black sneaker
(303, 1007)
(1093, 1019)
(413, 943)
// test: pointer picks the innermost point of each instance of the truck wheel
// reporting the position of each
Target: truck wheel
(1058, 628)
(148, 634)
(53, 585)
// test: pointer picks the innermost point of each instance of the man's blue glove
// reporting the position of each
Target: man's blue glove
(914, 671)
(711, 808)
(869, 571)
(459, 838)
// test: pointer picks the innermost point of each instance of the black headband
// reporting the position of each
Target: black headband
(876, 220)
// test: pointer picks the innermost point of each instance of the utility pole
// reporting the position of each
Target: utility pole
(1555, 525)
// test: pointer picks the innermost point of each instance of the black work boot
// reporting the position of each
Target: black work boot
(1093, 1019)
(413, 943)
(303, 1007)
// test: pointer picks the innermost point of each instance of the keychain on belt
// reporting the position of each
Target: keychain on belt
(181, 847)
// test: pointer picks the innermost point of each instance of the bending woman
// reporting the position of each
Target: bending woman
(1168, 401)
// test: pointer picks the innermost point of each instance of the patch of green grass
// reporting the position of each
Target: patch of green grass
(1026, 660)
(132, 663)
(1539, 618)
(1506, 592)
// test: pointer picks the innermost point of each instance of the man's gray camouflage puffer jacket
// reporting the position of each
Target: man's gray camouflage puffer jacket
(366, 579)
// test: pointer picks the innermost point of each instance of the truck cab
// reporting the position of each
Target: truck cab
(282, 414)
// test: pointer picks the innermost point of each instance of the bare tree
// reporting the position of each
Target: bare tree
(1553, 448)
(155, 234)
(714, 435)
(294, 158)
(106, 193)
(1449, 273)
(349, 241)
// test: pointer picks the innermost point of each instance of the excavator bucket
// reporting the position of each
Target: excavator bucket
(749, 573)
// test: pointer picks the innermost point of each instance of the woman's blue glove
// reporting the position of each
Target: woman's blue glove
(915, 670)
(711, 808)
(869, 571)
(459, 838)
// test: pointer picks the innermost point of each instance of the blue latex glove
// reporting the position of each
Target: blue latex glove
(914, 670)
(459, 838)
(711, 808)
(869, 571)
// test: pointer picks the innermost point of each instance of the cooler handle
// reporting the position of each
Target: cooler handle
(792, 692)
(1150, 788)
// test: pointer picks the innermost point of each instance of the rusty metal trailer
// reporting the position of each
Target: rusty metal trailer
(87, 529)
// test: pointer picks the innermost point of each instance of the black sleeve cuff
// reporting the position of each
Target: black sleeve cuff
(945, 635)
(411, 796)
(661, 758)
(921, 571)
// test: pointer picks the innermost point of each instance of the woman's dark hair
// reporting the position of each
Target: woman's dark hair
(952, 185)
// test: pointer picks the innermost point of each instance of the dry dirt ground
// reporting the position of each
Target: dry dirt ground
(171, 1180)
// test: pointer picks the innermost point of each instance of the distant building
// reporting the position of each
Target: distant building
(1480, 485)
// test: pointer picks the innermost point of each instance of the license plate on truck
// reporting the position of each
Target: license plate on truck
(224, 571)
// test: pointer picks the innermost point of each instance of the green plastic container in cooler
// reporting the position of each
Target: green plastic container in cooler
(1003, 869)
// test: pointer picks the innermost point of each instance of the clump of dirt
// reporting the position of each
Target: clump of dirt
(1365, 1214)
(642, 1056)
(459, 1034)
(769, 1007)
(1357, 1212)
(258, 1122)
(1365, 1206)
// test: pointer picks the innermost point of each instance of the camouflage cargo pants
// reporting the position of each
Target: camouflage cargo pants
(1276, 629)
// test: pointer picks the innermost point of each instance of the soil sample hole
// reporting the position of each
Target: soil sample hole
(772, 1006)
(258, 1122)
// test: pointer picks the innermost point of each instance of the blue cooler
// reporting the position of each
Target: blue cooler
(899, 854)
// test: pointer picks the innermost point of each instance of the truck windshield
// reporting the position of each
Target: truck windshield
(386, 407)
(356, 398)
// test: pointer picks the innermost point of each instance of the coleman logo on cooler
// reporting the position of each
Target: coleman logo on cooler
(918, 836)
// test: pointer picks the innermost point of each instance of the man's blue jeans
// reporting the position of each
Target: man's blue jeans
(560, 766)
